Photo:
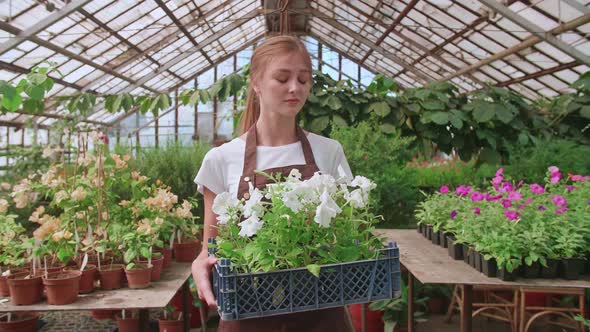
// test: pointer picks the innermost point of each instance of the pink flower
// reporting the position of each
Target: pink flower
(497, 180)
(514, 196)
(499, 172)
(444, 189)
(476, 196)
(570, 188)
(506, 203)
(559, 200)
(537, 189)
(463, 190)
(493, 198)
(476, 210)
(453, 214)
(575, 178)
(553, 169)
(555, 177)
(560, 211)
(528, 201)
(506, 187)
(519, 183)
(511, 214)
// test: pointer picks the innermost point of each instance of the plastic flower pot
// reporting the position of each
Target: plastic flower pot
(587, 265)
(571, 268)
(505, 275)
(429, 232)
(551, 270)
(4, 289)
(157, 265)
(62, 287)
(127, 324)
(532, 271)
(435, 238)
(171, 323)
(466, 253)
(87, 278)
(424, 231)
(111, 276)
(139, 276)
(101, 314)
(19, 322)
(419, 228)
(455, 250)
(25, 289)
(186, 251)
(442, 239)
(374, 319)
(167, 253)
(488, 267)
(477, 261)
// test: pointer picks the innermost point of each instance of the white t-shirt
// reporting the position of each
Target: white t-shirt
(223, 165)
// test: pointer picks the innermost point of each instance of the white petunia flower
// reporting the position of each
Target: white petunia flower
(321, 183)
(223, 206)
(253, 204)
(250, 226)
(327, 210)
(356, 198)
(294, 176)
(362, 182)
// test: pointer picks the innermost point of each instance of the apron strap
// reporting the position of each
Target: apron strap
(252, 142)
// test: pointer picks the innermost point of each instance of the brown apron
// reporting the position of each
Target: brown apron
(333, 319)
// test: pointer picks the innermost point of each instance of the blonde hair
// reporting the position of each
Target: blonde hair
(263, 55)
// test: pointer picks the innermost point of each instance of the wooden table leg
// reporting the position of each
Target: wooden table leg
(144, 320)
(410, 302)
(185, 307)
(466, 308)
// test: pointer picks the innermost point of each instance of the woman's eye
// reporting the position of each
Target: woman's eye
(302, 81)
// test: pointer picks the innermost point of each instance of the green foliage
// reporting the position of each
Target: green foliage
(33, 86)
(395, 311)
(381, 157)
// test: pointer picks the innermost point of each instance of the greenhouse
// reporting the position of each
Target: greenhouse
(295, 165)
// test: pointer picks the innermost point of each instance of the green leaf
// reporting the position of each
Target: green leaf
(490, 156)
(582, 83)
(48, 84)
(319, 124)
(117, 103)
(456, 121)
(194, 99)
(203, 96)
(440, 118)
(380, 108)
(339, 121)
(504, 114)
(585, 111)
(37, 78)
(145, 252)
(36, 92)
(13, 103)
(434, 106)
(129, 255)
(484, 113)
(388, 128)
(30, 106)
(414, 108)
(314, 269)
(333, 102)
(523, 139)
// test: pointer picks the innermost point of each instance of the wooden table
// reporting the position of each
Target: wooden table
(431, 264)
(157, 296)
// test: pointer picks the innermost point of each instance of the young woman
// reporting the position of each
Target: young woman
(280, 80)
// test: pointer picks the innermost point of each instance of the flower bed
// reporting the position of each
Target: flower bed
(513, 228)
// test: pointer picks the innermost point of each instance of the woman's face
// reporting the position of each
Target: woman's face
(284, 85)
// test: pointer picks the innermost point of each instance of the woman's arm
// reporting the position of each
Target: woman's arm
(201, 268)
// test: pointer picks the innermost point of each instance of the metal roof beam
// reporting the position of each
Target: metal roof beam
(540, 73)
(20, 70)
(538, 31)
(339, 26)
(190, 37)
(41, 25)
(528, 42)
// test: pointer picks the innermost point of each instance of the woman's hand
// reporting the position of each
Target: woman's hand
(201, 270)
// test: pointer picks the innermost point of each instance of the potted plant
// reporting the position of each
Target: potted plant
(19, 322)
(171, 320)
(128, 321)
(395, 311)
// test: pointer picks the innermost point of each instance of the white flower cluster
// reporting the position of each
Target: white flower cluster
(317, 196)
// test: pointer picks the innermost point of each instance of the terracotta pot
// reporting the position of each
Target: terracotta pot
(157, 264)
(171, 323)
(4, 290)
(111, 276)
(104, 313)
(55, 267)
(24, 322)
(186, 252)
(62, 287)
(374, 319)
(25, 291)
(127, 324)
(87, 278)
(167, 253)
(139, 276)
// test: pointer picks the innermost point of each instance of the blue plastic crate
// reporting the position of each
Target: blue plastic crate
(263, 294)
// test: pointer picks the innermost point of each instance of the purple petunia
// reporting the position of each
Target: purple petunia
(497, 180)
(559, 200)
(453, 214)
(560, 211)
(499, 171)
(514, 196)
(493, 198)
(542, 208)
(506, 187)
(555, 177)
(511, 214)
(476, 210)
(463, 190)
(537, 189)
(506, 203)
(444, 189)
(476, 196)
(570, 188)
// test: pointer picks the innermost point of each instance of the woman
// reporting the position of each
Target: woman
(280, 80)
